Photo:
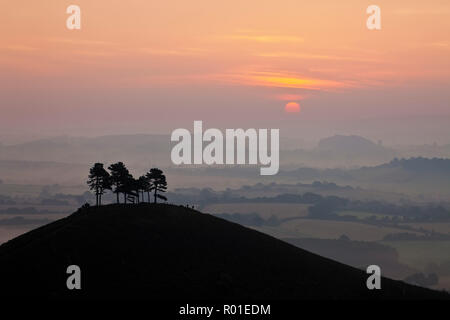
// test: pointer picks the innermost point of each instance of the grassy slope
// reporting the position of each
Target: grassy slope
(165, 251)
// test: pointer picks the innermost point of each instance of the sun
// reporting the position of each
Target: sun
(292, 107)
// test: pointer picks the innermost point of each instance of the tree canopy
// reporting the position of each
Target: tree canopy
(122, 182)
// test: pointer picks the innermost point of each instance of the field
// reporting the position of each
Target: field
(9, 232)
(33, 190)
(361, 214)
(443, 227)
(419, 254)
(326, 229)
(265, 210)
(22, 190)
(51, 208)
(444, 283)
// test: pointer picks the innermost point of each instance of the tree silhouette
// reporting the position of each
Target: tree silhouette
(143, 185)
(120, 179)
(157, 182)
(131, 189)
(123, 182)
(99, 180)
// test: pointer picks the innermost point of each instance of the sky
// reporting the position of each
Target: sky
(310, 68)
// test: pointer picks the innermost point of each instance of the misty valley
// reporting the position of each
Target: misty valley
(394, 213)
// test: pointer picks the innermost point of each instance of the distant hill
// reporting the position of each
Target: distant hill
(42, 172)
(63, 160)
(420, 175)
(137, 148)
(340, 151)
(420, 165)
(171, 252)
(351, 144)
(355, 148)
(425, 176)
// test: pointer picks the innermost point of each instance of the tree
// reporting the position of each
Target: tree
(99, 180)
(120, 177)
(143, 185)
(157, 182)
(131, 189)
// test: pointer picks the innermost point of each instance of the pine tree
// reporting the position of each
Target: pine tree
(157, 182)
(99, 181)
(143, 186)
(120, 177)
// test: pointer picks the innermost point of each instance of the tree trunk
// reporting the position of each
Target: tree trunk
(117, 194)
(148, 196)
(154, 196)
(97, 190)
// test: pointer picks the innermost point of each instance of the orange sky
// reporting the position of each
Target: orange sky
(255, 50)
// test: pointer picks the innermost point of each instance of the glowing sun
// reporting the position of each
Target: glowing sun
(292, 107)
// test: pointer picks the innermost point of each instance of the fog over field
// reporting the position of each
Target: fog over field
(345, 197)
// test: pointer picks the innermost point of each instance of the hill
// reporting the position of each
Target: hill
(82, 150)
(339, 151)
(413, 176)
(351, 144)
(420, 165)
(171, 252)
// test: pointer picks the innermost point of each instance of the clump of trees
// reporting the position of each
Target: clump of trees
(121, 182)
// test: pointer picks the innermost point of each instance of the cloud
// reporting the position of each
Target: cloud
(172, 52)
(295, 55)
(265, 38)
(81, 42)
(19, 48)
(285, 80)
(422, 11)
(289, 97)
(440, 44)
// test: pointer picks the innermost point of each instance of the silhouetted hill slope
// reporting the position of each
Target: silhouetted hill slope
(168, 252)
